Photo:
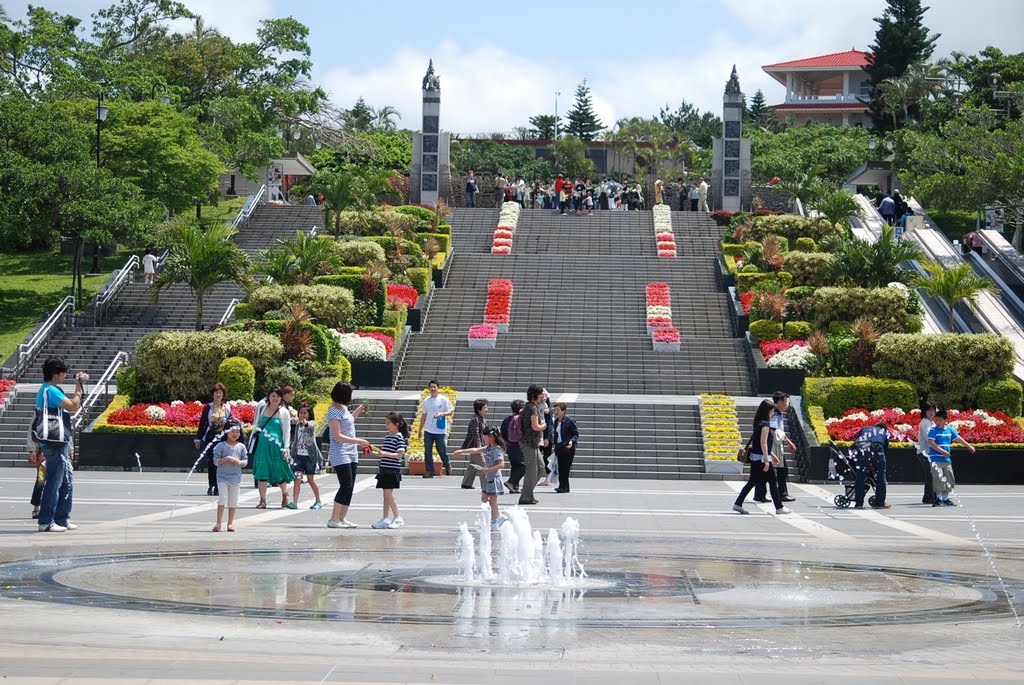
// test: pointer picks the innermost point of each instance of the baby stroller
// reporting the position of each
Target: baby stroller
(841, 468)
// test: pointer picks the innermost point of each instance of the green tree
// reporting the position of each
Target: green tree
(582, 119)
(492, 157)
(837, 206)
(901, 39)
(348, 189)
(569, 155)
(954, 285)
(650, 143)
(808, 187)
(790, 153)
(875, 265)
(759, 111)
(385, 118)
(313, 256)
(544, 126)
(360, 117)
(687, 121)
(202, 259)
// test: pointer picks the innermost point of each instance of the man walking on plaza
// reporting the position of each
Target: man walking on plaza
(534, 427)
(471, 189)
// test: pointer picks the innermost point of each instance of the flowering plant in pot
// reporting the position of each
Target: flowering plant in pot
(666, 339)
(499, 286)
(386, 340)
(482, 336)
(770, 348)
(666, 253)
(501, 249)
(656, 322)
(502, 241)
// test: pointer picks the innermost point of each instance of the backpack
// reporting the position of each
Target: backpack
(515, 428)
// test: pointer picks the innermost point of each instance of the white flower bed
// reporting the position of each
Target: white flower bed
(659, 310)
(356, 347)
(663, 230)
(793, 358)
(509, 216)
(156, 413)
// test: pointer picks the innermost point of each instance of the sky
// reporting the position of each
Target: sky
(501, 63)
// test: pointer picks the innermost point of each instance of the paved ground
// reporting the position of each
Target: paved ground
(682, 589)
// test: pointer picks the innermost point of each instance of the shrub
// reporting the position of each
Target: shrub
(765, 330)
(420, 278)
(840, 328)
(997, 395)
(733, 250)
(127, 381)
(723, 217)
(792, 227)
(244, 310)
(809, 268)
(750, 269)
(182, 366)
(239, 377)
(410, 249)
(329, 305)
(323, 346)
(360, 252)
(817, 418)
(885, 307)
(421, 214)
(393, 323)
(806, 244)
(377, 223)
(444, 241)
(948, 368)
(762, 281)
(836, 395)
(354, 284)
(283, 375)
(798, 330)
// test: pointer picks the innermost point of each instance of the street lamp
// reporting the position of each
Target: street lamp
(166, 99)
(557, 93)
(101, 116)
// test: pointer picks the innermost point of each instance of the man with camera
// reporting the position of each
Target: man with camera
(51, 431)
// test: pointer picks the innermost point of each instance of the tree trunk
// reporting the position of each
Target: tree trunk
(79, 256)
(952, 315)
(199, 310)
(199, 211)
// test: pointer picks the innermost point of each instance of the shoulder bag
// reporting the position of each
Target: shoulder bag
(743, 455)
(51, 425)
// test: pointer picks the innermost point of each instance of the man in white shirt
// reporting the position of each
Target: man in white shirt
(437, 411)
(702, 190)
(149, 266)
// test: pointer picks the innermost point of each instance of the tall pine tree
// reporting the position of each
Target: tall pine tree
(583, 121)
(902, 39)
(758, 108)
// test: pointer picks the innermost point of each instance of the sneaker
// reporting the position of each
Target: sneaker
(782, 510)
(383, 523)
(858, 506)
(739, 509)
(428, 474)
(396, 522)
(71, 526)
(348, 524)
(494, 524)
(51, 528)
(468, 487)
(937, 503)
(335, 524)
(291, 505)
(209, 492)
(948, 503)
(317, 505)
(501, 519)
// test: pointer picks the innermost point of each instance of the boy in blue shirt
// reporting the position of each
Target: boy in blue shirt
(940, 442)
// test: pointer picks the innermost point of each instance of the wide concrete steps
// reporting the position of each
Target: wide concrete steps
(90, 349)
(175, 309)
(270, 223)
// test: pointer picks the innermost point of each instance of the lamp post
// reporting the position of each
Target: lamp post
(557, 93)
(101, 116)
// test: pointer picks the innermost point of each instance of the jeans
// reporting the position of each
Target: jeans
(759, 475)
(565, 456)
(55, 505)
(429, 441)
(471, 199)
(860, 486)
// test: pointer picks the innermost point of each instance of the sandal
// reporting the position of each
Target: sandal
(231, 529)
(262, 504)
(216, 529)
(284, 502)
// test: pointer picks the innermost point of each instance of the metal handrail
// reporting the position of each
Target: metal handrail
(313, 232)
(27, 351)
(114, 286)
(249, 207)
(161, 261)
(84, 411)
(229, 312)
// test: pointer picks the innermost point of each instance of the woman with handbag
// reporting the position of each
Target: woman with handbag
(211, 425)
(271, 456)
(51, 430)
(761, 441)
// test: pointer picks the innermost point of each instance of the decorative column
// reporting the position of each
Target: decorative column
(431, 149)
(731, 153)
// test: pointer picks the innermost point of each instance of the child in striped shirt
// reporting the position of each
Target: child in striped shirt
(389, 469)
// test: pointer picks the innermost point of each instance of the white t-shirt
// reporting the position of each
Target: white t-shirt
(433, 406)
(149, 264)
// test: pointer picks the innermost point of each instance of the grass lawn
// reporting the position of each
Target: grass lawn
(225, 211)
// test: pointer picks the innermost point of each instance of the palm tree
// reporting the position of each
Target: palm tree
(953, 285)
(201, 260)
(384, 118)
(837, 207)
(808, 188)
(278, 264)
(312, 256)
(347, 189)
(874, 265)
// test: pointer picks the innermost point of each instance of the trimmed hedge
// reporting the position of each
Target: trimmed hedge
(798, 330)
(443, 241)
(420, 278)
(421, 214)
(885, 307)
(836, 395)
(323, 342)
(809, 268)
(182, 365)
(377, 223)
(329, 305)
(239, 377)
(410, 248)
(806, 245)
(360, 252)
(1001, 395)
(733, 250)
(816, 416)
(765, 329)
(792, 227)
(354, 284)
(244, 311)
(746, 281)
(127, 381)
(948, 368)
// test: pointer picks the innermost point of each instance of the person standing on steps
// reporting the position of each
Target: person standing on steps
(58, 483)
(344, 451)
(778, 423)
(512, 433)
(211, 427)
(471, 188)
(534, 428)
(927, 421)
(566, 437)
(761, 442)
(434, 428)
(500, 183)
(702, 195)
(475, 438)
(149, 266)
(694, 195)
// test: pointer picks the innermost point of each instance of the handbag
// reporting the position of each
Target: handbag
(743, 455)
(50, 428)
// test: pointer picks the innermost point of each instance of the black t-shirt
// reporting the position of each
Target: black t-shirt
(755, 438)
(531, 438)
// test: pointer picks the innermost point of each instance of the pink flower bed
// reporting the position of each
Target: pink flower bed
(502, 233)
(405, 294)
(770, 348)
(389, 342)
(974, 426)
(666, 335)
(666, 253)
(659, 322)
(483, 330)
(502, 241)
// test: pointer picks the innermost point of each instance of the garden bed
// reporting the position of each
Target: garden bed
(987, 466)
(740, 319)
(156, 451)
(790, 381)
(373, 374)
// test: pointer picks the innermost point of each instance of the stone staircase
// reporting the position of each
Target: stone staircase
(270, 223)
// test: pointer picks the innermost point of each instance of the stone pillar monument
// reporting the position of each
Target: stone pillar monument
(730, 174)
(431, 149)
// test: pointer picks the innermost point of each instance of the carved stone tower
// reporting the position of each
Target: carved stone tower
(431, 149)
(730, 175)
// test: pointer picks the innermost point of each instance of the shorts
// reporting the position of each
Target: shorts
(304, 464)
(389, 480)
(942, 477)
(228, 494)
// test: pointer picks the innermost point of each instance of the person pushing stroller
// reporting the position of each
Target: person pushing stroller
(871, 444)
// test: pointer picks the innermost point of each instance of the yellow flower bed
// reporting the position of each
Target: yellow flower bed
(719, 427)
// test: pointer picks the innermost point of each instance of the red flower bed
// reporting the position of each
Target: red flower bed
(975, 426)
(502, 233)
(405, 294)
(185, 415)
(499, 286)
(498, 242)
(389, 342)
(659, 321)
(667, 334)
(770, 348)
(659, 300)
(496, 318)
(6, 390)
(498, 304)
(745, 300)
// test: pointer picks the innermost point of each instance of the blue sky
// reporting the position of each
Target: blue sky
(500, 66)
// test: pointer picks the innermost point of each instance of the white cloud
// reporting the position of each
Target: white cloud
(236, 20)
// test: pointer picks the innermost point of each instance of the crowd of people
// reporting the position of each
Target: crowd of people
(582, 196)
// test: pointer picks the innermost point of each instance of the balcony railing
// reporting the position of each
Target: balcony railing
(852, 98)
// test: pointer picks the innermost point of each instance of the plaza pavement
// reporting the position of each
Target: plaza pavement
(646, 526)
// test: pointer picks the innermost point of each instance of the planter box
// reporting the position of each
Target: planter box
(438, 276)
(725, 466)
(741, 321)
(502, 327)
(415, 319)
(769, 380)
(156, 451)
(417, 468)
(722, 275)
(666, 346)
(373, 374)
(984, 467)
(651, 329)
(482, 343)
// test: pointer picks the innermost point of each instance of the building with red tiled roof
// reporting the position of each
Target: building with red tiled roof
(829, 89)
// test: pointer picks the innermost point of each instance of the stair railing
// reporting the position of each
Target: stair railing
(161, 261)
(113, 287)
(56, 321)
(313, 232)
(249, 207)
(81, 418)
(228, 313)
